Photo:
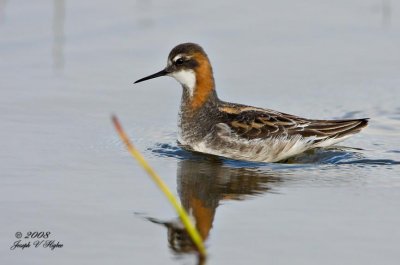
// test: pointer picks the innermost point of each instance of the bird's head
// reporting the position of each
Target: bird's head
(190, 66)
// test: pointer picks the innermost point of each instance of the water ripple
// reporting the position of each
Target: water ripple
(322, 156)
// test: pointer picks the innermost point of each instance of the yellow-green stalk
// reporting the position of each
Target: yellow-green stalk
(190, 228)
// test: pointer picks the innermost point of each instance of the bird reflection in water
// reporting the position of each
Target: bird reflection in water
(202, 185)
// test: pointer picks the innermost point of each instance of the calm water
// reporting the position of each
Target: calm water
(65, 66)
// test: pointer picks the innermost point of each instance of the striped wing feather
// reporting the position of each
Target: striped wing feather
(263, 123)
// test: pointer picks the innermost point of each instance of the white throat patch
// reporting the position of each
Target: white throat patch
(186, 78)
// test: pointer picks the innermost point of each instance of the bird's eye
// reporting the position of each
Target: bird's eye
(179, 61)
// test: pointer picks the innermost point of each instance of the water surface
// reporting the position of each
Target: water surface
(65, 66)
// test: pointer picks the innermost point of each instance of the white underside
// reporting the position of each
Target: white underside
(262, 150)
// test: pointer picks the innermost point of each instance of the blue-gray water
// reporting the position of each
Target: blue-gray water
(65, 66)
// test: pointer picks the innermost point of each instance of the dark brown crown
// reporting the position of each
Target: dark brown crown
(187, 49)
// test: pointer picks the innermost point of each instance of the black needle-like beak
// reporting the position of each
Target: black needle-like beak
(158, 74)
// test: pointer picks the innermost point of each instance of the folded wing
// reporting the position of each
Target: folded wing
(252, 123)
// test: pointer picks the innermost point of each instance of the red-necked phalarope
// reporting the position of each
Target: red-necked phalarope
(212, 126)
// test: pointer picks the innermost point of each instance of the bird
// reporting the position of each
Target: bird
(236, 131)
